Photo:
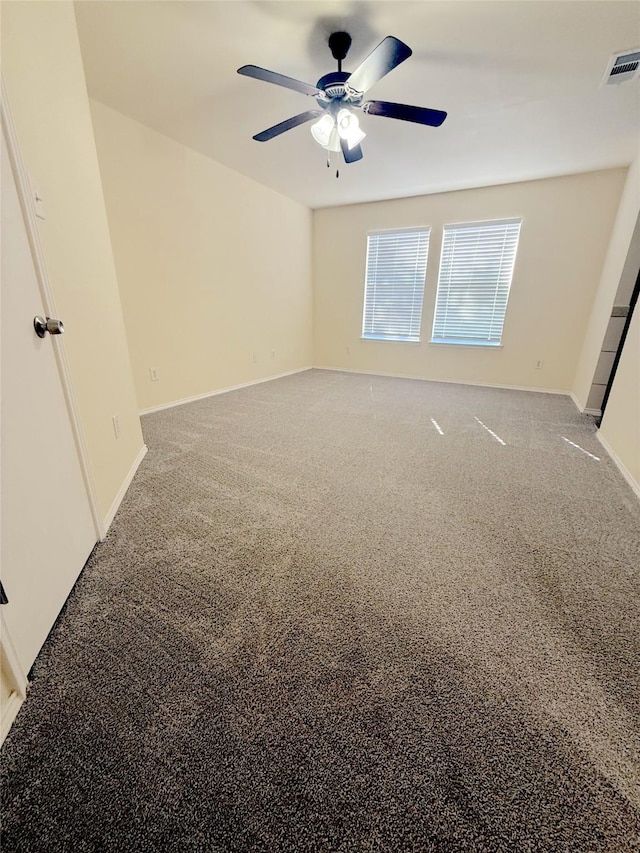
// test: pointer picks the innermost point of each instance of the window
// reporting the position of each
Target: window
(394, 285)
(473, 285)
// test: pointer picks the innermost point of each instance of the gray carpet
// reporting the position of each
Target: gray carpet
(319, 624)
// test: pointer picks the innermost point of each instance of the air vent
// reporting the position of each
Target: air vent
(622, 68)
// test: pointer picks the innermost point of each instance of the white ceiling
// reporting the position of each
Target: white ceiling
(520, 81)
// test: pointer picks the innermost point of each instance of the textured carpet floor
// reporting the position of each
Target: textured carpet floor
(319, 624)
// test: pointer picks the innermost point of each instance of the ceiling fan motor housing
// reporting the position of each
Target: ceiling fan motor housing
(333, 85)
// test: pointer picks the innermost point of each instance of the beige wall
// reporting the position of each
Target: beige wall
(212, 266)
(612, 272)
(620, 426)
(565, 232)
(43, 73)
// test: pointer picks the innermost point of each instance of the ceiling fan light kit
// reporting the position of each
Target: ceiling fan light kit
(328, 131)
(339, 93)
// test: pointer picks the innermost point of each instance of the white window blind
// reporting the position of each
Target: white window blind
(476, 268)
(394, 285)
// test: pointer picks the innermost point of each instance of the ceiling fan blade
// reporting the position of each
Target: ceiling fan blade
(277, 129)
(382, 59)
(351, 155)
(280, 80)
(420, 115)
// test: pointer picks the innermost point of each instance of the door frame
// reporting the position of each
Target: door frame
(16, 679)
(616, 361)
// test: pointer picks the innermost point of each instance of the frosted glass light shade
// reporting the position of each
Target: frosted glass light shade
(321, 130)
(325, 133)
(349, 128)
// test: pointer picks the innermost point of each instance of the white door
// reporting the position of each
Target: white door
(46, 525)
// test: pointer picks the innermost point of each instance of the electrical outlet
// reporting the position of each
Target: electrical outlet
(116, 425)
(273, 353)
(153, 373)
(539, 364)
(348, 350)
(255, 357)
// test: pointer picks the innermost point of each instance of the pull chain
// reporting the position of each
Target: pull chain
(329, 164)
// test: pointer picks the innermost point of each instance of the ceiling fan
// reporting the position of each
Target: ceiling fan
(338, 93)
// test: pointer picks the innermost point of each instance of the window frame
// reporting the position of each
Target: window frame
(396, 338)
(477, 342)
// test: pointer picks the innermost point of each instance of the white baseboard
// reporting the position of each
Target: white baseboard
(10, 710)
(204, 396)
(106, 523)
(578, 405)
(620, 465)
(14, 680)
(449, 381)
(576, 402)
